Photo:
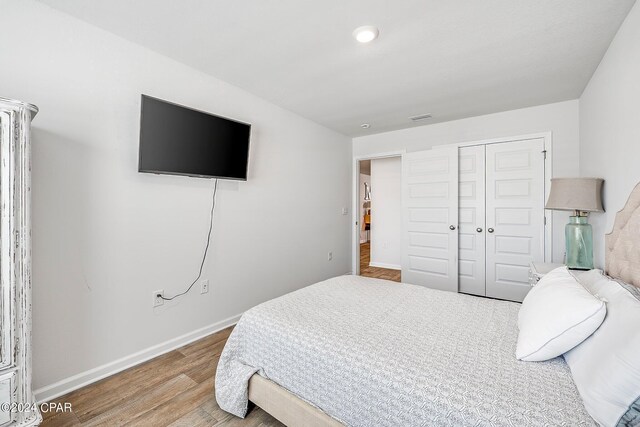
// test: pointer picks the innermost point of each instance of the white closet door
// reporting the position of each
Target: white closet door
(515, 215)
(471, 240)
(430, 218)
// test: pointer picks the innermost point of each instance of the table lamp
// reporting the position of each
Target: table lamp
(580, 195)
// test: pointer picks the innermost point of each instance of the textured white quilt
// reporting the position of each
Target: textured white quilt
(371, 352)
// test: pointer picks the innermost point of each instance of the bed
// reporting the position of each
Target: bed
(362, 352)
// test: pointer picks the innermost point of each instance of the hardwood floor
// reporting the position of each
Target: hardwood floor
(175, 389)
(376, 272)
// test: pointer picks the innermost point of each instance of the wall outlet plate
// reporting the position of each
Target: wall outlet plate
(329, 256)
(204, 286)
(157, 300)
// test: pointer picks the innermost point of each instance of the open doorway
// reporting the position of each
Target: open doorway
(379, 217)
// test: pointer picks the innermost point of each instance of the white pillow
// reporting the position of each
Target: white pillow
(556, 315)
(606, 366)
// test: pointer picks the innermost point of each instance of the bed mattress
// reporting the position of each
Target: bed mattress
(372, 352)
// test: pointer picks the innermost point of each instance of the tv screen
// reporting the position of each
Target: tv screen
(181, 141)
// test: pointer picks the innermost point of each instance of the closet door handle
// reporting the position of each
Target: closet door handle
(490, 230)
(452, 227)
(479, 230)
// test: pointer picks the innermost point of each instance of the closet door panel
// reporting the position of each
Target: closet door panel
(471, 235)
(430, 218)
(514, 215)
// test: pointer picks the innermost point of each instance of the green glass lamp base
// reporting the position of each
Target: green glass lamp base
(579, 240)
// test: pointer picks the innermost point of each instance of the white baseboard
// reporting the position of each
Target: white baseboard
(384, 265)
(62, 387)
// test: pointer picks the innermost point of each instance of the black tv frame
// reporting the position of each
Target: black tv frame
(140, 170)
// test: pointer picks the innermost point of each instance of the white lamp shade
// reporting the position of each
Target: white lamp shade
(576, 194)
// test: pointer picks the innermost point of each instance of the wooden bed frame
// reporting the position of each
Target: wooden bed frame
(622, 262)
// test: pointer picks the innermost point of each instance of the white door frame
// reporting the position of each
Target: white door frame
(355, 204)
(548, 174)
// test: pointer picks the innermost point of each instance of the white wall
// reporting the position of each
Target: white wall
(610, 126)
(363, 178)
(386, 212)
(559, 118)
(105, 237)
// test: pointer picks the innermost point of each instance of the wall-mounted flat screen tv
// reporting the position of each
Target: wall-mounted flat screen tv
(182, 141)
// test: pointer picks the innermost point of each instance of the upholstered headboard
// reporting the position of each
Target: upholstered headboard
(622, 252)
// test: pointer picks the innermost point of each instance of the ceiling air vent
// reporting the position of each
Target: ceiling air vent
(420, 117)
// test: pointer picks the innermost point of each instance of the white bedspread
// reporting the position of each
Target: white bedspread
(371, 352)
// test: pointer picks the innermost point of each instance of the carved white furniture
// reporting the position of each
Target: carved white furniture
(17, 404)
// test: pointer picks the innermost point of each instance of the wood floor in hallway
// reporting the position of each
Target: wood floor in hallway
(375, 272)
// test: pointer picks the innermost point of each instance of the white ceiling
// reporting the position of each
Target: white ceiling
(454, 59)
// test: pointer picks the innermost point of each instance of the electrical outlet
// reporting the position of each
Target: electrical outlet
(204, 286)
(345, 211)
(157, 298)
(329, 256)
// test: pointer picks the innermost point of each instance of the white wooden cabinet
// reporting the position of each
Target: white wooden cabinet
(17, 404)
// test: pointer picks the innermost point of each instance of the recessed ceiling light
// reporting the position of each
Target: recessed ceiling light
(366, 33)
(365, 126)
